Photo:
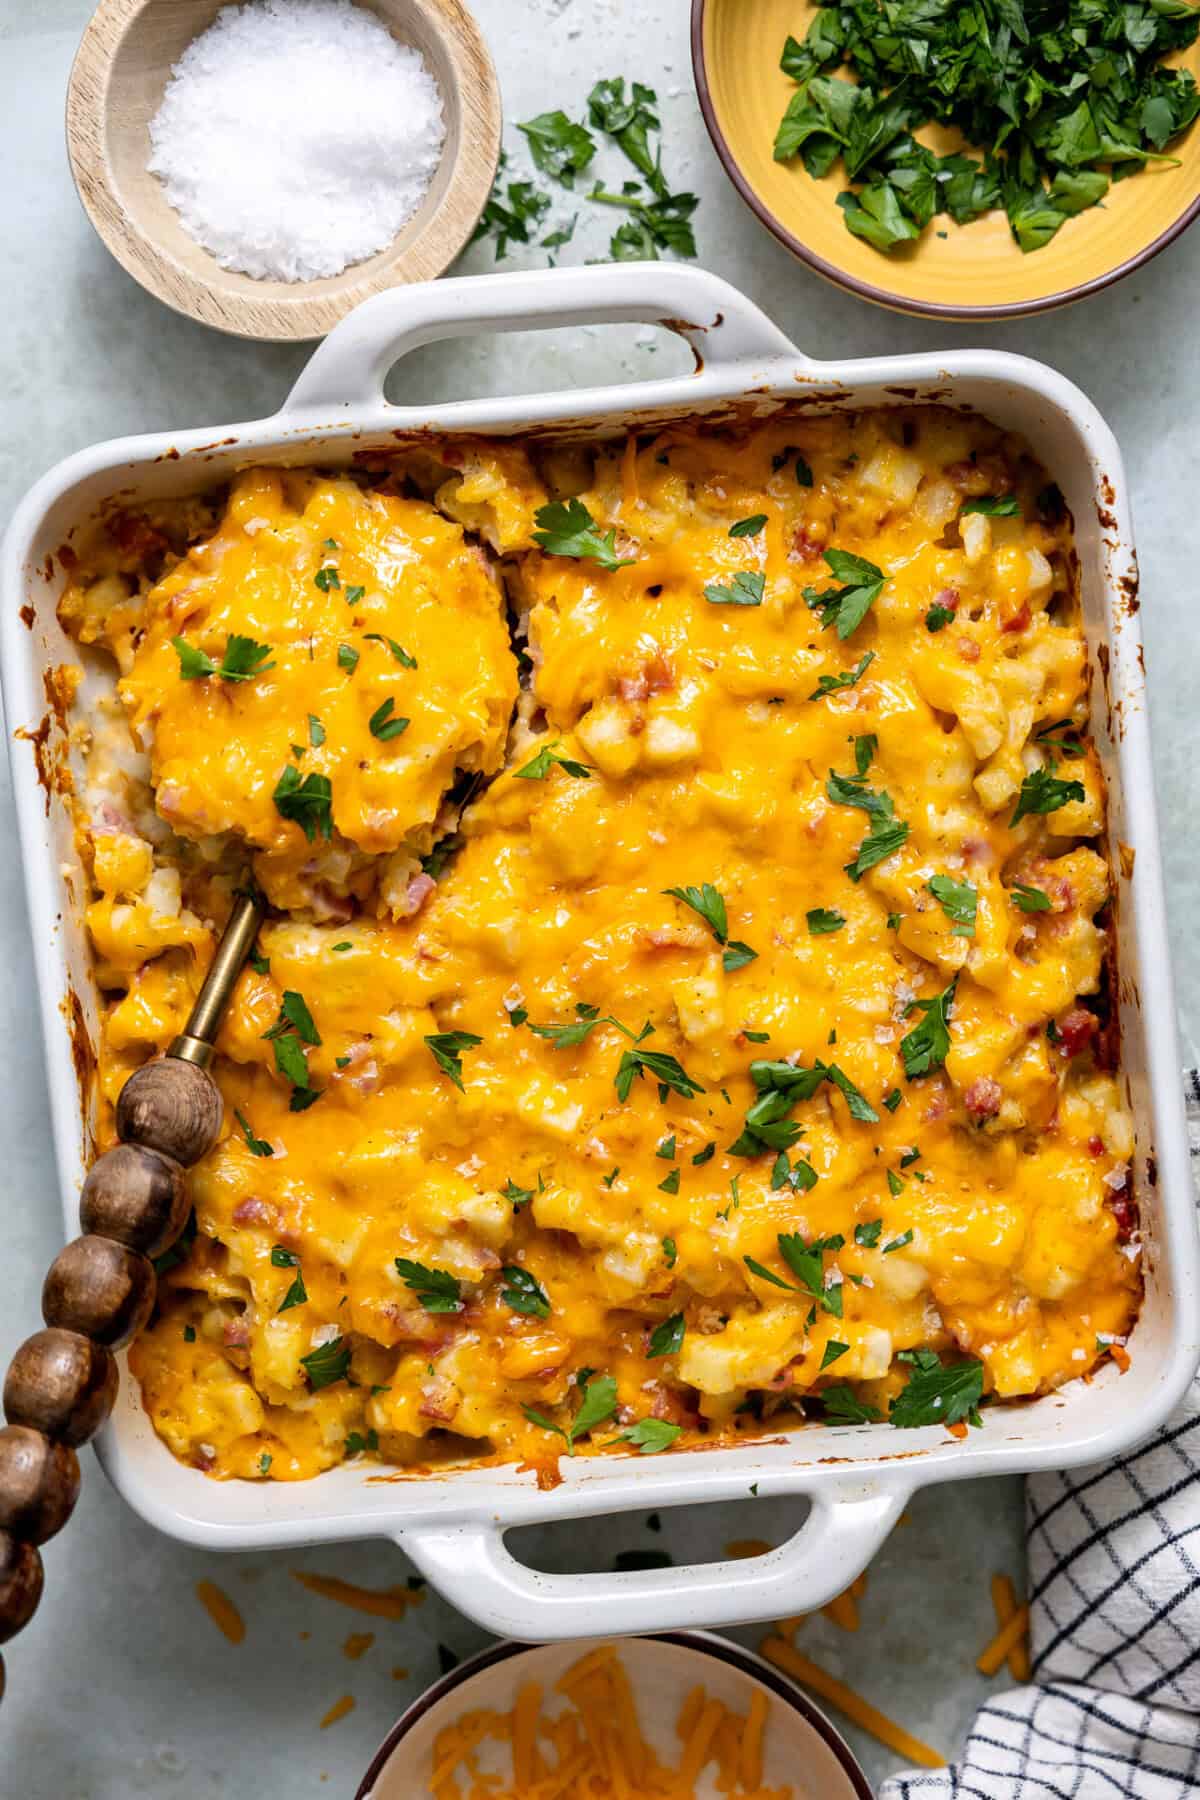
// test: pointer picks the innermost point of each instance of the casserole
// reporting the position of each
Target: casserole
(856, 1479)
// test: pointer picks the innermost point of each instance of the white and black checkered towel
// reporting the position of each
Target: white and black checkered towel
(1114, 1593)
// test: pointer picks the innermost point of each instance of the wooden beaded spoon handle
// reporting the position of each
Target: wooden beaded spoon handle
(100, 1290)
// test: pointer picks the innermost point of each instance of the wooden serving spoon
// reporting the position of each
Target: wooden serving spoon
(100, 1290)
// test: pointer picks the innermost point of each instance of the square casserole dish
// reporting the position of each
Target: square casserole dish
(855, 1479)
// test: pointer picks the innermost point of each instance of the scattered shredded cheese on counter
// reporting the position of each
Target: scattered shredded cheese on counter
(595, 1749)
(221, 1610)
(1004, 1600)
(380, 1603)
(859, 1711)
(297, 137)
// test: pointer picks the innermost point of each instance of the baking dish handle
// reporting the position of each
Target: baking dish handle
(349, 369)
(471, 1567)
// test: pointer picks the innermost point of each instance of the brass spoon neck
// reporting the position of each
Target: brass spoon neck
(195, 1042)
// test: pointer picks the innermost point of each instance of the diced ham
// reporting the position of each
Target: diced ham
(253, 1211)
(439, 1399)
(1020, 619)
(655, 677)
(982, 1099)
(947, 597)
(1077, 1030)
(1124, 1210)
(235, 1333)
(678, 1406)
(416, 894)
(968, 649)
(808, 543)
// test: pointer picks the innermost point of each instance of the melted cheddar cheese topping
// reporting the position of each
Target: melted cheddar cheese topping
(728, 1051)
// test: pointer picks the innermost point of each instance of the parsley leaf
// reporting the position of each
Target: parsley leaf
(843, 1407)
(307, 801)
(526, 207)
(833, 1350)
(524, 1293)
(1042, 792)
(436, 1289)
(708, 903)
(927, 1045)
(748, 527)
(567, 528)
(546, 759)
(666, 1070)
(832, 684)
(446, 1048)
(939, 1394)
(1030, 899)
(1003, 506)
(560, 148)
(383, 725)
(242, 661)
(518, 1197)
(347, 658)
(327, 1363)
(868, 1235)
(846, 607)
(398, 651)
(823, 919)
(746, 588)
(958, 900)
(257, 1146)
(650, 1435)
(667, 1337)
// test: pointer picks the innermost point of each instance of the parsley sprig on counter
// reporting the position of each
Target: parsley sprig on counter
(1060, 100)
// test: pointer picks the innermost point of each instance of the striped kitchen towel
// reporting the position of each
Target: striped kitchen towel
(1114, 1594)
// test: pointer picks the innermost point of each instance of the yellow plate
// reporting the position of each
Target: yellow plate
(976, 271)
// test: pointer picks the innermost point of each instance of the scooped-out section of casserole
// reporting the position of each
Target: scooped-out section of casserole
(685, 1005)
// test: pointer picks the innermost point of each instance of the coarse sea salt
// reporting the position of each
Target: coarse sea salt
(297, 137)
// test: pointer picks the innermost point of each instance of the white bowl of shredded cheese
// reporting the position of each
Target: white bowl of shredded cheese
(265, 166)
(685, 1716)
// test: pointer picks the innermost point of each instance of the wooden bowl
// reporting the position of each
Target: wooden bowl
(121, 70)
(974, 271)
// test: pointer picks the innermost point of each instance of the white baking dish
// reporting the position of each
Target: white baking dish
(856, 1479)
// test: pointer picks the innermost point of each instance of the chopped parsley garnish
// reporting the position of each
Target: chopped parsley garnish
(356, 1443)
(257, 1146)
(667, 1337)
(938, 617)
(560, 148)
(242, 661)
(306, 800)
(599, 1403)
(383, 723)
(846, 607)
(297, 1294)
(526, 207)
(748, 527)
(264, 1463)
(709, 904)
(667, 1149)
(804, 475)
(1030, 899)
(446, 1048)
(347, 658)
(1057, 100)
(546, 759)
(670, 1253)
(650, 1435)
(566, 1037)
(665, 1069)
(823, 919)
(524, 1293)
(807, 1263)
(316, 732)
(832, 1352)
(291, 1032)
(746, 588)
(398, 651)
(327, 577)
(938, 1393)
(993, 506)
(567, 528)
(895, 1185)
(327, 1363)
(352, 595)
(868, 1235)
(670, 1185)
(189, 1334)
(887, 833)
(517, 1196)
(705, 1155)
(833, 684)
(1062, 734)
(959, 901)
(927, 1045)
(843, 1407)
(436, 1289)
(1042, 792)
(860, 1106)
(899, 1243)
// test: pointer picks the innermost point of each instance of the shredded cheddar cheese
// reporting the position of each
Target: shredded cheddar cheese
(1004, 1601)
(739, 1053)
(221, 1610)
(379, 1603)
(593, 1748)
(855, 1708)
(1011, 1633)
